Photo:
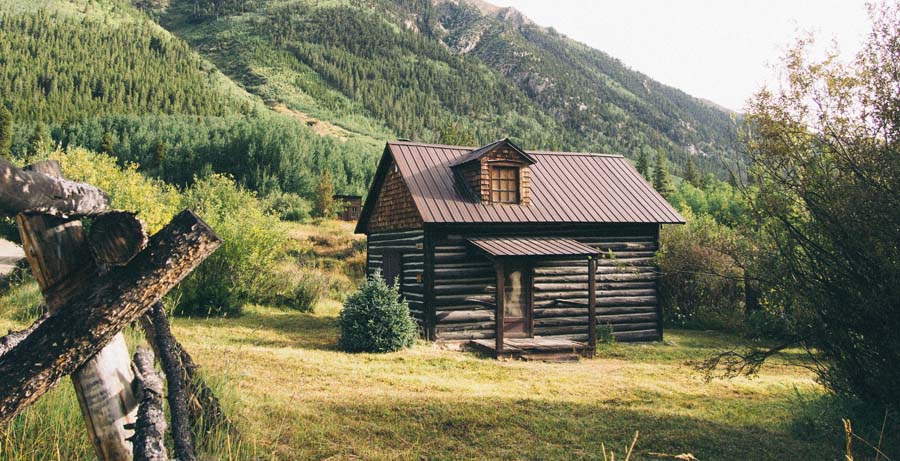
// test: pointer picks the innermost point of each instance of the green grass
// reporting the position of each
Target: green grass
(295, 396)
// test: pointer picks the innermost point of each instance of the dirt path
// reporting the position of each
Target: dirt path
(10, 253)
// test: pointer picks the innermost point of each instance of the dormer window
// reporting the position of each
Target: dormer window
(504, 184)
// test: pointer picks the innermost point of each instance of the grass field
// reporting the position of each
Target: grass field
(295, 397)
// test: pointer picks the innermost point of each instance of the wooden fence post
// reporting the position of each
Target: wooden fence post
(61, 262)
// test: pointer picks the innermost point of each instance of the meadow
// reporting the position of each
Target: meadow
(295, 396)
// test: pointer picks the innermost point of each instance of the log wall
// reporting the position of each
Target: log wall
(410, 244)
(626, 285)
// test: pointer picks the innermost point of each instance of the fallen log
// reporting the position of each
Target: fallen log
(204, 410)
(23, 191)
(70, 336)
(150, 428)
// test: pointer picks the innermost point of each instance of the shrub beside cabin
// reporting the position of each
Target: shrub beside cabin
(464, 231)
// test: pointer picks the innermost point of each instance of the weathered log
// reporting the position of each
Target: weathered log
(116, 238)
(164, 345)
(15, 337)
(59, 259)
(150, 427)
(23, 191)
(204, 410)
(69, 337)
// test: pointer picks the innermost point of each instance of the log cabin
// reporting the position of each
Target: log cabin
(496, 246)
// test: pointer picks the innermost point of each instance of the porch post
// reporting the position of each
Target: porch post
(498, 314)
(592, 304)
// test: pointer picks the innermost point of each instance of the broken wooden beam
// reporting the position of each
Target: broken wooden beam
(116, 237)
(70, 336)
(150, 428)
(23, 191)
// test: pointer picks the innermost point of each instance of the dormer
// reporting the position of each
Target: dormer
(498, 173)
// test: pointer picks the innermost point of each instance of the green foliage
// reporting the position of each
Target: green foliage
(244, 268)
(288, 206)
(323, 204)
(723, 202)
(67, 68)
(691, 175)
(825, 150)
(275, 152)
(376, 319)
(701, 283)
(40, 142)
(661, 174)
(5, 132)
(455, 134)
(643, 164)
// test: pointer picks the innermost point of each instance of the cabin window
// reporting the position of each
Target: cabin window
(504, 184)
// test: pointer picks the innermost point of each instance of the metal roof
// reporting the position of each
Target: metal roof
(565, 188)
(522, 246)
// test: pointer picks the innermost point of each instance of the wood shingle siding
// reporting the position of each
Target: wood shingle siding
(394, 207)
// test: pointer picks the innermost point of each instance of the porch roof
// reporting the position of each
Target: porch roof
(524, 246)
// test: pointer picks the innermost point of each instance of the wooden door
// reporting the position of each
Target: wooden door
(391, 266)
(517, 309)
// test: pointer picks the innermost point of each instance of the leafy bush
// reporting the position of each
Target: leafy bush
(701, 284)
(154, 201)
(288, 206)
(245, 268)
(376, 319)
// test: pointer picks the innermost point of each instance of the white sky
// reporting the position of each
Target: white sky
(721, 50)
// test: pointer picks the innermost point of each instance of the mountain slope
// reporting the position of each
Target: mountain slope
(416, 67)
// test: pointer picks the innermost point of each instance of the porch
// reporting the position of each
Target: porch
(535, 348)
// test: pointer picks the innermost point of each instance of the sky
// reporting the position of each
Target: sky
(720, 50)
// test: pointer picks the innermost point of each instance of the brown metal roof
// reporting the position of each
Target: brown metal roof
(565, 188)
(520, 246)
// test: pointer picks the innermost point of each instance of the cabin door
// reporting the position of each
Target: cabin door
(517, 299)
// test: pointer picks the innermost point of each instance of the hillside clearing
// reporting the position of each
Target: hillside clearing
(296, 397)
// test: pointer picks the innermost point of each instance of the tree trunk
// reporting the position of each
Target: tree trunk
(150, 428)
(70, 336)
(23, 191)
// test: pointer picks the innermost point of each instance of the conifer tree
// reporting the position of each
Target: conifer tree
(323, 205)
(643, 164)
(39, 141)
(5, 133)
(107, 146)
(661, 174)
(691, 175)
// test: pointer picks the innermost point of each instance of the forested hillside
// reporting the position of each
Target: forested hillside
(103, 75)
(422, 67)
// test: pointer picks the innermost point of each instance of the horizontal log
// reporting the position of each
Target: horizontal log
(475, 334)
(465, 316)
(560, 321)
(640, 335)
(466, 306)
(474, 289)
(441, 328)
(31, 192)
(564, 330)
(627, 318)
(626, 301)
(628, 327)
(619, 310)
(72, 335)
